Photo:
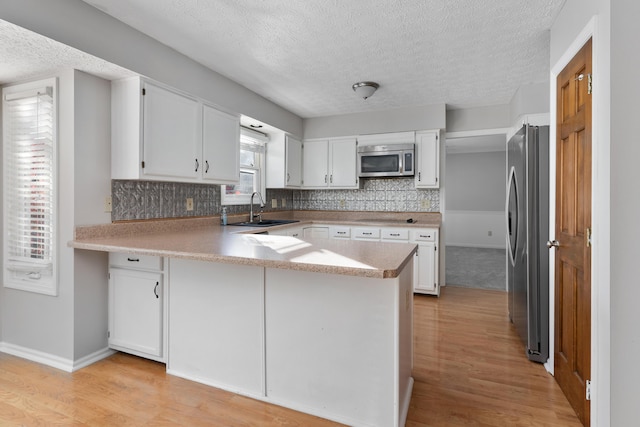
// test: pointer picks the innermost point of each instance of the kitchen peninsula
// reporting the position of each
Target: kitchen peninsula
(318, 325)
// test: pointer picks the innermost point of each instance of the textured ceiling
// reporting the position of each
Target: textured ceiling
(305, 55)
(26, 55)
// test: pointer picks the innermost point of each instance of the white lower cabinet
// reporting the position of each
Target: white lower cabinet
(425, 278)
(136, 306)
(315, 231)
(425, 265)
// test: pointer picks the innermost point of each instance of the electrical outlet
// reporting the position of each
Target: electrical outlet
(107, 204)
(490, 233)
(425, 204)
(189, 204)
(342, 203)
(274, 203)
(284, 203)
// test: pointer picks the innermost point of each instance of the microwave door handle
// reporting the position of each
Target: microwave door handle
(401, 164)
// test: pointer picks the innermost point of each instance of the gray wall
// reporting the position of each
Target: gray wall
(91, 184)
(79, 25)
(397, 120)
(625, 228)
(476, 181)
(529, 99)
(73, 324)
(479, 118)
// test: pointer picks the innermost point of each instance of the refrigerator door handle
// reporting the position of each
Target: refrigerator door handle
(512, 221)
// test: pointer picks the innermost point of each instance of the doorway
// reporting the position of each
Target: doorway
(475, 210)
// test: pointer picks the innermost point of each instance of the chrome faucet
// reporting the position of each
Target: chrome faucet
(251, 215)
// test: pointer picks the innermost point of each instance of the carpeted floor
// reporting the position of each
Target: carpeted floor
(476, 267)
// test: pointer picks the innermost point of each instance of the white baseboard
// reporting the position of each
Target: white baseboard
(57, 362)
(473, 245)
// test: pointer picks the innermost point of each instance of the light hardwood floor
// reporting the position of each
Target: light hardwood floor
(469, 370)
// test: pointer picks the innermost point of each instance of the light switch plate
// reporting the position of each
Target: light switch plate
(284, 203)
(107, 204)
(274, 203)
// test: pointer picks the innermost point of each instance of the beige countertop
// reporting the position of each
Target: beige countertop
(204, 239)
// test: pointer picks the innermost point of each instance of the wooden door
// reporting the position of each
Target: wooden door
(573, 224)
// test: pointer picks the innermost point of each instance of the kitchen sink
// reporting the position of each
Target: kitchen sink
(265, 223)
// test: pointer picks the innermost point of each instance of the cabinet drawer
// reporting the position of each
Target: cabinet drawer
(366, 233)
(340, 232)
(145, 262)
(424, 235)
(395, 234)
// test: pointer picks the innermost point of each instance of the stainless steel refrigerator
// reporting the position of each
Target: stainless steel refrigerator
(527, 234)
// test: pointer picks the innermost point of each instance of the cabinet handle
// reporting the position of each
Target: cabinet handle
(325, 179)
(155, 290)
(206, 165)
(419, 176)
(197, 165)
(331, 179)
(367, 234)
(288, 177)
(395, 234)
(133, 259)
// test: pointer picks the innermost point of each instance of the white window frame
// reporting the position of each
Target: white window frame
(258, 139)
(38, 276)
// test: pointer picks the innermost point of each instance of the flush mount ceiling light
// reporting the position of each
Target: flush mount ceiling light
(365, 89)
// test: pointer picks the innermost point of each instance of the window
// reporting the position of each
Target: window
(252, 148)
(29, 208)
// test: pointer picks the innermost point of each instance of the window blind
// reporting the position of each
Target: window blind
(29, 214)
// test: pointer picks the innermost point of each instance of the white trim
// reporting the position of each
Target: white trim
(57, 362)
(479, 132)
(600, 335)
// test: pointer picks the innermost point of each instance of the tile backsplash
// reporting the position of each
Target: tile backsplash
(135, 200)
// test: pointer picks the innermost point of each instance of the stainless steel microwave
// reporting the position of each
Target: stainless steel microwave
(386, 160)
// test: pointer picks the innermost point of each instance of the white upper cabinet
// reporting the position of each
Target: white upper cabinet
(329, 163)
(284, 162)
(220, 146)
(171, 137)
(428, 159)
(315, 166)
(158, 133)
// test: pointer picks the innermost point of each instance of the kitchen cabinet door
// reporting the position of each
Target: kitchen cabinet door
(171, 135)
(342, 162)
(315, 231)
(315, 171)
(293, 163)
(428, 159)
(220, 146)
(425, 269)
(284, 162)
(135, 312)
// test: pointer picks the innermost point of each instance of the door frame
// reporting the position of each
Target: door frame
(600, 220)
